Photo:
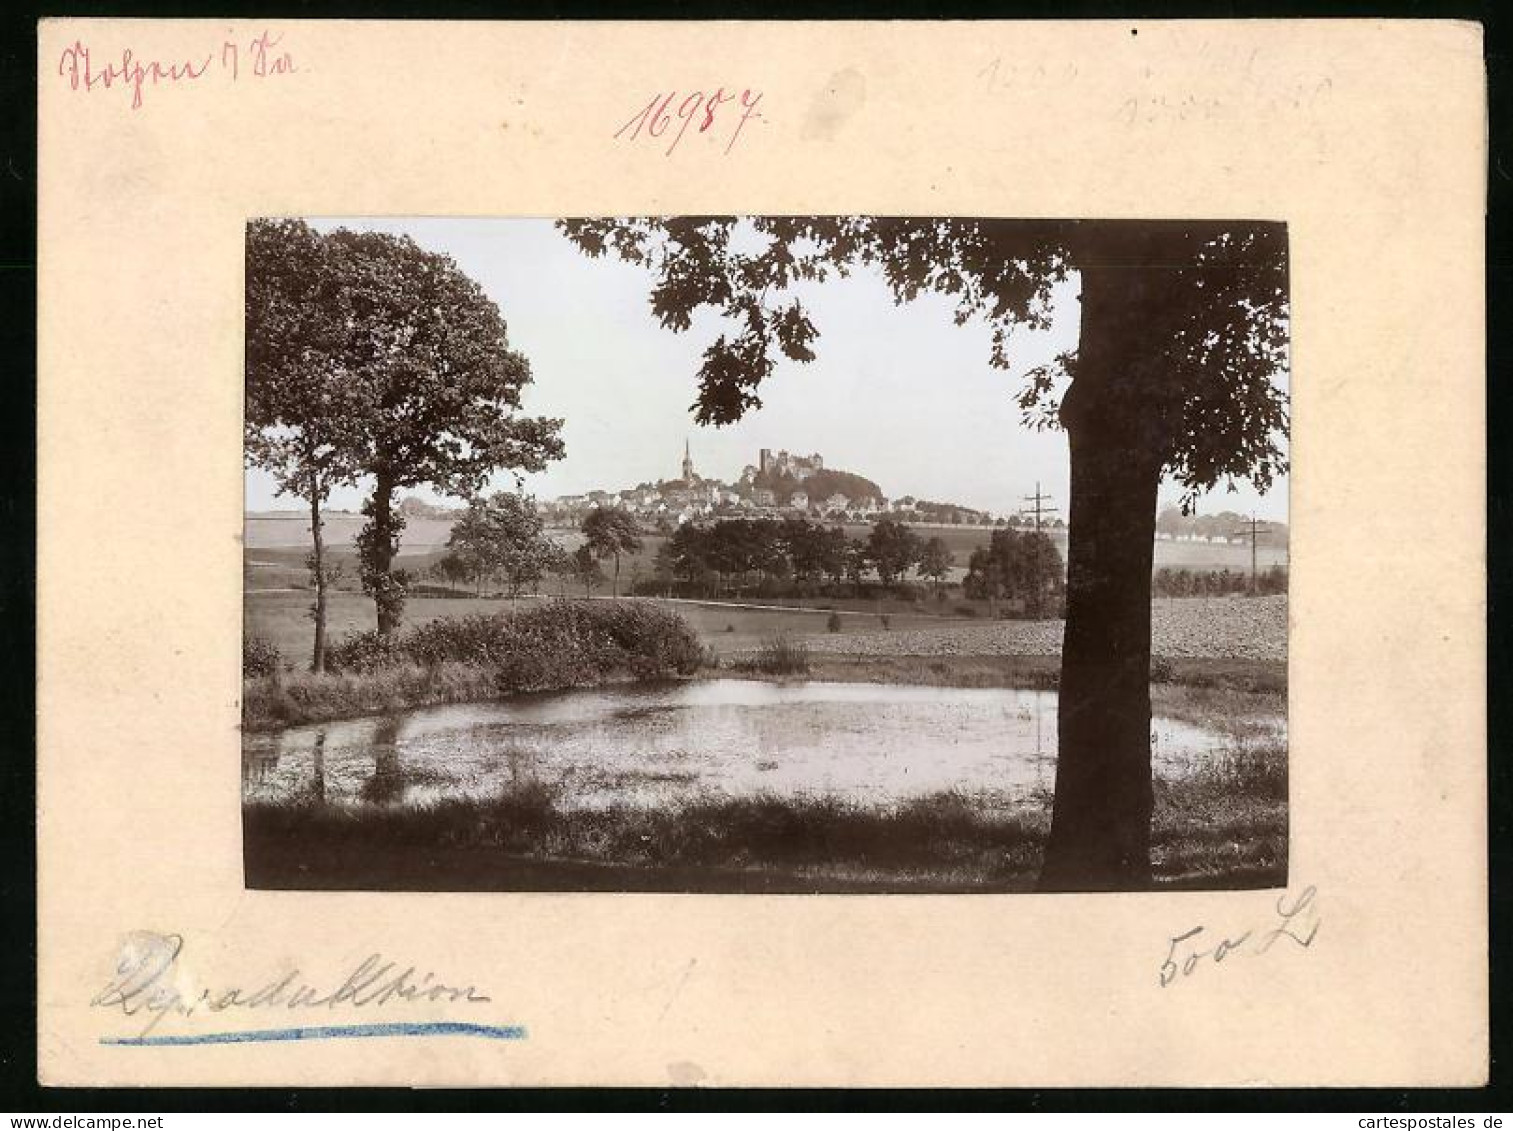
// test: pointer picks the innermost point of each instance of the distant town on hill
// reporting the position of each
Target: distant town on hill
(783, 485)
(778, 484)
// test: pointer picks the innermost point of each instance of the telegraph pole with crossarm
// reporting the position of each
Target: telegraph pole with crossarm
(1040, 509)
(1255, 534)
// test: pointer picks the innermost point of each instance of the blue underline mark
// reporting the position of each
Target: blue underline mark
(332, 1033)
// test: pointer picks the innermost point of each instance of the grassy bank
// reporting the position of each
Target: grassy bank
(1223, 826)
(545, 647)
(292, 699)
(1035, 673)
(1207, 693)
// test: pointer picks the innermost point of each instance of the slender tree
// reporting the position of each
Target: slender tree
(505, 536)
(559, 564)
(586, 569)
(1183, 332)
(451, 568)
(935, 560)
(610, 532)
(665, 568)
(298, 396)
(893, 549)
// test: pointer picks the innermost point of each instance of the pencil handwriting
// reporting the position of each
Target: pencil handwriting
(1296, 924)
(148, 982)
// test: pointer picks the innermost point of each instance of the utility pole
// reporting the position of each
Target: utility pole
(1255, 534)
(1040, 509)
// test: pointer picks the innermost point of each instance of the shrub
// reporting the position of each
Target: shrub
(780, 655)
(833, 622)
(559, 644)
(1161, 670)
(364, 651)
(260, 657)
(966, 610)
(886, 622)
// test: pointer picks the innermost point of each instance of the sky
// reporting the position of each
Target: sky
(899, 394)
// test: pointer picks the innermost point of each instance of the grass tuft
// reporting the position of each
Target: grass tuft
(780, 655)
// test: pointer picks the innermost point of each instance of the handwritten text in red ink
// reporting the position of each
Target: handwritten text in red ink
(671, 115)
(263, 57)
(259, 57)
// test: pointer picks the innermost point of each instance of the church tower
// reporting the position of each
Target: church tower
(688, 475)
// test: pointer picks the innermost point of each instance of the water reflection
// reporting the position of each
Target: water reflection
(646, 745)
(318, 769)
(258, 766)
(388, 782)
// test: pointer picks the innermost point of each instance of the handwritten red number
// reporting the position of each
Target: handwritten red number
(658, 114)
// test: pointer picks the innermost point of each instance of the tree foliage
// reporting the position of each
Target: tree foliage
(734, 554)
(298, 415)
(504, 536)
(893, 549)
(586, 569)
(453, 568)
(419, 384)
(935, 559)
(611, 533)
(1015, 564)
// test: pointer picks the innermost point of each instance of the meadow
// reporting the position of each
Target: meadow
(282, 618)
(275, 551)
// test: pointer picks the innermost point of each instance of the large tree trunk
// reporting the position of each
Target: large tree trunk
(318, 570)
(1100, 829)
(378, 544)
(1101, 822)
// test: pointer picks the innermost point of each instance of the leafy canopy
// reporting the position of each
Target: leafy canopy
(384, 359)
(299, 419)
(610, 532)
(436, 386)
(504, 535)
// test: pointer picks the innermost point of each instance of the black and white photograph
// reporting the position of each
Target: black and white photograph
(765, 554)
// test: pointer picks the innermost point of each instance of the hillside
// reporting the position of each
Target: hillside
(821, 485)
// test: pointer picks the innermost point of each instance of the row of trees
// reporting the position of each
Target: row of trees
(503, 540)
(372, 361)
(1219, 582)
(1172, 523)
(740, 555)
(1016, 565)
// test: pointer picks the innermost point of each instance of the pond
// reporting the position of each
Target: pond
(874, 744)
